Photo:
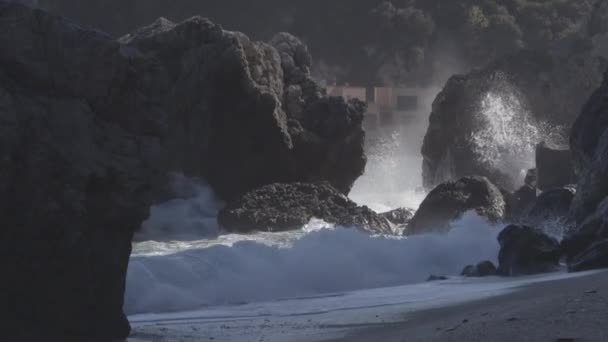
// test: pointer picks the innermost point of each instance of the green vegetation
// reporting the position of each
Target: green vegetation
(375, 41)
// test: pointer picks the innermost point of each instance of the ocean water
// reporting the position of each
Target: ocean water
(185, 269)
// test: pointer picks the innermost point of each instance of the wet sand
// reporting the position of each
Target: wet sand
(559, 311)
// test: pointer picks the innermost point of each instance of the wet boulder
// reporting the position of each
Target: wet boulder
(526, 250)
(450, 200)
(550, 208)
(554, 166)
(483, 269)
(289, 206)
(475, 115)
(593, 257)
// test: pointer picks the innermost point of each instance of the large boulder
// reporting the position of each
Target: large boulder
(90, 128)
(525, 250)
(483, 269)
(229, 120)
(589, 209)
(450, 200)
(489, 121)
(550, 210)
(289, 206)
(554, 166)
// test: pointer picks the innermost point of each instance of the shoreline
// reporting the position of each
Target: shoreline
(574, 309)
(459, 309)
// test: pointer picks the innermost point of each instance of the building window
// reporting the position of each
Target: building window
(407, 103)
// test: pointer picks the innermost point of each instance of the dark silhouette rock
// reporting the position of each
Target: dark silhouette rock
(554, 166)
(483, 269)
(233, 119)
(593, 257)
(583, 245)
(551, 207)
(450, 200)
(289, 206)
(461, 139)
(525, 250)
(594, 228)
(433, 277)
(90, 128)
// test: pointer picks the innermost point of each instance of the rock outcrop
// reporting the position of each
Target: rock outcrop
(583, 246)
(450, 200)
(551, 207)
(483, 269)
(526, 89)
(525, 250)
(554, 166)
(289, 206)
(243, 114)
(90, 127)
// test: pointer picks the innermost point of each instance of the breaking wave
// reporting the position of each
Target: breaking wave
(178, 275)
(509, 132)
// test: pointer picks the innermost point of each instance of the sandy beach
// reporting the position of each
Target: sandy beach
(560, 311)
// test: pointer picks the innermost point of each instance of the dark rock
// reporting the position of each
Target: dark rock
(401, 216)
(433, 277)
(461, 142)
(531, 179)
(519, 202)
(281, 207)
(593, 228)
(593, 257)
(550, 207)
(248, 113)
(450, 200)
(525, 250)
(90, 128)
(554, 166)
(483, 269)
(583, 245)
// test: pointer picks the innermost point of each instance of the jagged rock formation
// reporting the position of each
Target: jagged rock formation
(281, 207)
(459, 139)
(585, 246)
(525, 250)
(450, 200)
(90, 128)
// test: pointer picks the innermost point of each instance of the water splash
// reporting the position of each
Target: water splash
(508, 135)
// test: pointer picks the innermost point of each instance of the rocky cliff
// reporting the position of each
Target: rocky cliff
(90, 128)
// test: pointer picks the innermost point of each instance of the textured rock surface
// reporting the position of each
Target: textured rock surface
(551, 207)
(554, 166)
(281, 207)
(401, 216)
(525, 250)
(483, 269)
(450, 200)
(90, 128)
(552, 89)
(589, 145)
(244, 114)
